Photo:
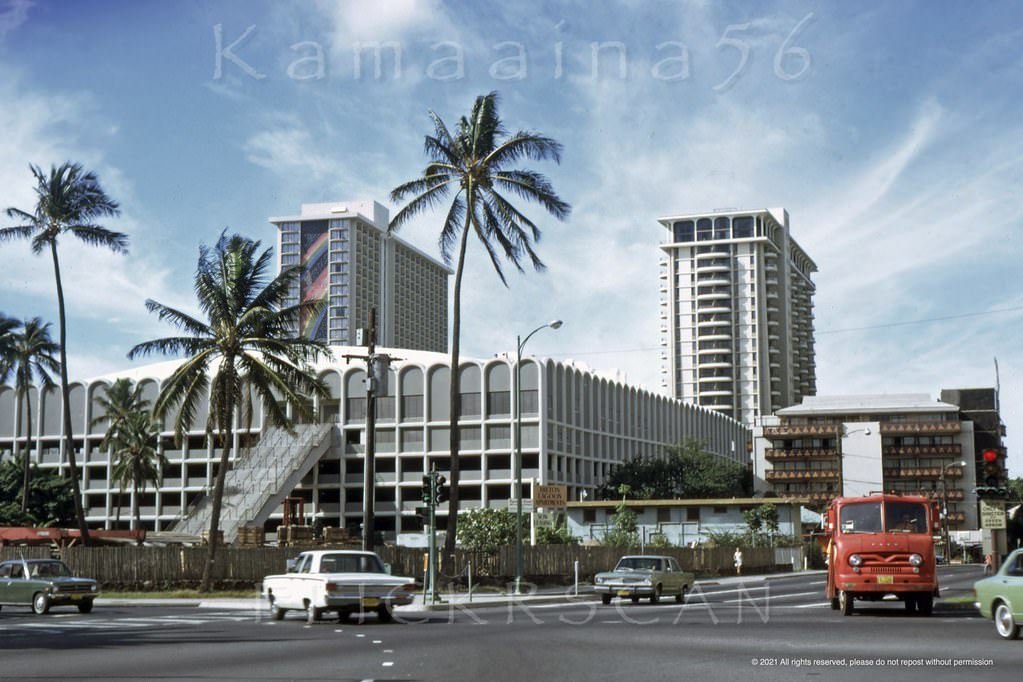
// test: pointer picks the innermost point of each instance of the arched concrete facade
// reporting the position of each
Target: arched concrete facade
(576, 425)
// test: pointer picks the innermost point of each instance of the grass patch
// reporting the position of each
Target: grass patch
(959, 599)
(183, 594)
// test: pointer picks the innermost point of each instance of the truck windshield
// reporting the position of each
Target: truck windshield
(905, 517)
(861, 517)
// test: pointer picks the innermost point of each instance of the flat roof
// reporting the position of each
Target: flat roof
(867, 404)
(704, 502)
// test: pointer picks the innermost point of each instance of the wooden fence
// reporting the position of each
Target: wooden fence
(157, 568)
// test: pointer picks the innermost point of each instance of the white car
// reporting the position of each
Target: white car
(344, 582)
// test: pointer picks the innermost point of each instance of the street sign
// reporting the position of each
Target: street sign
(527, 505)
(992, 515)
(550, 496)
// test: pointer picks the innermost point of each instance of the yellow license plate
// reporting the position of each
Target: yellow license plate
(623, 593)
(885, 579)
(370, 602)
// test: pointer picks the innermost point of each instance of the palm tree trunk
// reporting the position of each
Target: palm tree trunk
(65, 393)
(448, 563)
(136, 511)
(218, 495)
(28, 453)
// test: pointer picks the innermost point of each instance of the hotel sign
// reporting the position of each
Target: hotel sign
(550, 496)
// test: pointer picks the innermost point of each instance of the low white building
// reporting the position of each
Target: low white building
(576, 424)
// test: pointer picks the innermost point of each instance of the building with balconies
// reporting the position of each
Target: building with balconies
(736, 312)
(829, 446)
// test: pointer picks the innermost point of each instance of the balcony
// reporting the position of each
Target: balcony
(922, 450)
(772, 454)
(798, 430)
(801, 475)
(900, 428)
(952, 495)
(924, 472)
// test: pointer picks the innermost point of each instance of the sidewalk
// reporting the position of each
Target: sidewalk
(447, 600)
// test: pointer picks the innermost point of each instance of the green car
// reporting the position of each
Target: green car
(42, 583)
(1000, 597)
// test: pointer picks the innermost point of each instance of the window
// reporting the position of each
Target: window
(663, 515)
(411, 407)
(499, 404)
(356, 408)
(530, 401)
(589, 515)
(469, 404)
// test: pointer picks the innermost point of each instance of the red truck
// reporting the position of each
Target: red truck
(882, 545)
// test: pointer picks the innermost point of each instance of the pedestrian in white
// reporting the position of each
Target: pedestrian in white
(738, 561)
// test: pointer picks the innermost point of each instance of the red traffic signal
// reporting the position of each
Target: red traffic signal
(990, 456)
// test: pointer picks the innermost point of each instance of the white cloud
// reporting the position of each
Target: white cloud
(13, 14)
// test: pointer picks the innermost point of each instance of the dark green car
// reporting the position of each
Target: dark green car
(42, 583)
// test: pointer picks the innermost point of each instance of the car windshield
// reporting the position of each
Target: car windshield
(633, 563)
(350, 563)
(49, 569)
(905, 517)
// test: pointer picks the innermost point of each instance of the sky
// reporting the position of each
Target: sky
(889, 131)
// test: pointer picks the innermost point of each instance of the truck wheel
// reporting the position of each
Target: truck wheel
(312, 614)
(834, 603)
(384, 612)
(925, 603)
(681, 596)
(1006, 627)
(910, 602)
(605, 598)
(40, 603)
(85, 607)
(845, 603)
(656, 596)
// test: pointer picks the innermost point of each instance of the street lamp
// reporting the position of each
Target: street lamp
(520, 344)
(944, 509)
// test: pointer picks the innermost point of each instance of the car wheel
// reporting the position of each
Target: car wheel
(313, 614)
(40, 603)
(276, 612)
(845, 603)
(656, 596)
(384, 612)
(605, 598)
(635, 599)
(85, 607)
(1006, 627)
(681, 596)
(925, 603)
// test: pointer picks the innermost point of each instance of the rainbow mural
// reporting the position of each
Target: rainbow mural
(315, 276)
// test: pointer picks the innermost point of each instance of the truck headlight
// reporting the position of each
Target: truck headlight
(855, 560)
(916, 559)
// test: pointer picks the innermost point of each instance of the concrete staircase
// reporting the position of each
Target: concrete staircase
(260, 479)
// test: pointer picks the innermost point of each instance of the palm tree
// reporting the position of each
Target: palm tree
(68, 201)
(30, 360)
(249, 342)
(122, 401)
(138, 461)
(7, 327)
(473, 163)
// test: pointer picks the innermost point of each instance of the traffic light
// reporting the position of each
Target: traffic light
(992, 471)
(441, 489)
(427, 482)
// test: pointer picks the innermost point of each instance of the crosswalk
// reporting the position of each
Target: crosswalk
(58, 623)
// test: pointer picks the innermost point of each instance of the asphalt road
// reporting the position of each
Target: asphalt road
(779, 629)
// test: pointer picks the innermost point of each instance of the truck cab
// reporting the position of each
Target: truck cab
(881, 545)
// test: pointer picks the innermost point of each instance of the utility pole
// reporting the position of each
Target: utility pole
(376, 382)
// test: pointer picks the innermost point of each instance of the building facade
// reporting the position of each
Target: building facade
(348, 258)
(736, 312)
(829, 446)
(576, 425)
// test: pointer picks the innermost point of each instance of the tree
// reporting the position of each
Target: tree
(50, 499)
(487, 530)
(248, 343)
(69, 201)
(760, 521)
(686, 471)
(137, 459)
(474, 163)
(123, 400)
(30, 360)
(623, 531)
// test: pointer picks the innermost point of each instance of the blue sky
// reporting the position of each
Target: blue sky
(890, 131)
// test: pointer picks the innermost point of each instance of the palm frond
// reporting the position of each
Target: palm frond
(524, 144)
(534, 187)
(95, 235)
